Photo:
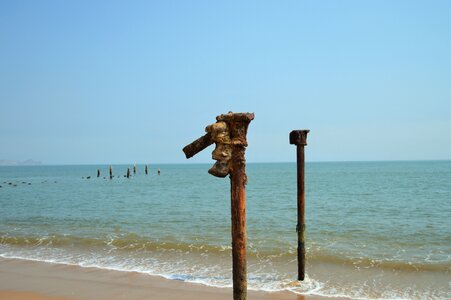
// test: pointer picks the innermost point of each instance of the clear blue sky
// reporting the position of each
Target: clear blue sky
(125, 81)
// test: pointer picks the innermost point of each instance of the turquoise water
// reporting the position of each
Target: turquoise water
(374, 229)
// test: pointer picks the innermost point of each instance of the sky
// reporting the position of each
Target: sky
(87, 82)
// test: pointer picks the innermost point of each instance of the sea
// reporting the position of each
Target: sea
(374, 230)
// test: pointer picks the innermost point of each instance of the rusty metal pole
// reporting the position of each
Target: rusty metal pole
(238, 124)
(299, 138)
(229, 135)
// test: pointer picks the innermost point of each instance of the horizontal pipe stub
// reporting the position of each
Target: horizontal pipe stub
(299, 137)
(198, 145)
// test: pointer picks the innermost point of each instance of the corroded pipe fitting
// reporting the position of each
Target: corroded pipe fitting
(220, 135)
(229, 135)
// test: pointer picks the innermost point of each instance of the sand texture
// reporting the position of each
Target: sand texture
(20, 279)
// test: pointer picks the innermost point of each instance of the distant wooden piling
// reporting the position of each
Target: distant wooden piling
(111, 172)
(159, 171)
(128, 172)
(146, 170)
(299, 138)
(98, 172)
(134, 168)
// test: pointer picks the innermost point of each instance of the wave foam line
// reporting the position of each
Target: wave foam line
(134, 243)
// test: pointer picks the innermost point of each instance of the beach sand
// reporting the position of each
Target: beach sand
(8, 295)
(31, 280)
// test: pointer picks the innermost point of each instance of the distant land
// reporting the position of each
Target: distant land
(28, 162)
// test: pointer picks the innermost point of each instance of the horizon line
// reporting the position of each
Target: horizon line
(251, 162)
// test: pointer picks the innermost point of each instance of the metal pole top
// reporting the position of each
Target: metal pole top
(299, 137)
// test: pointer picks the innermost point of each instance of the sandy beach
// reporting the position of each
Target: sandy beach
(21, 279)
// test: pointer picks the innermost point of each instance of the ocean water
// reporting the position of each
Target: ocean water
(374, 230)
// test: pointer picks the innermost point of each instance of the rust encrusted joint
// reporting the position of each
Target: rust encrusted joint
(229, 135)
(220, 135)
(299, 137)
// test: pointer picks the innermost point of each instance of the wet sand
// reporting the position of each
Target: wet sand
(8, 295)
(21, 279)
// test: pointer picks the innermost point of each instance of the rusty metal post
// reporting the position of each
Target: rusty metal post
(238, 130)
(229, 135)
(299, 138)
(111, 172)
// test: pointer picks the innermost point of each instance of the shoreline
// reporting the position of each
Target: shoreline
(34, 280)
